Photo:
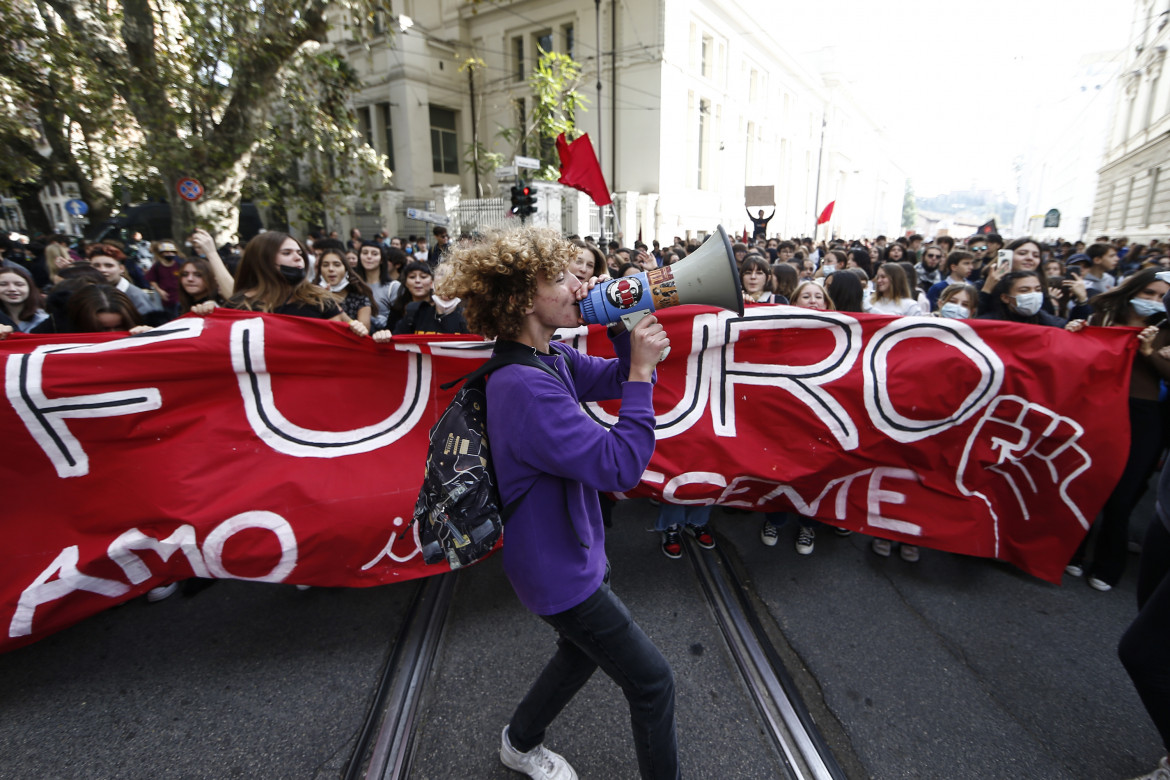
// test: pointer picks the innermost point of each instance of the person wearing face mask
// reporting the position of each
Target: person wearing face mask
(1136, 303)
(349, 291)
(419, 309)
(1019, 297)
(1142, 649)
(957, 302)
(271, 278)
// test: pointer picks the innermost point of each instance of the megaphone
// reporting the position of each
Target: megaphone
(709, 277)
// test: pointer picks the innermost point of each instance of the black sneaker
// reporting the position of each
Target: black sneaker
(805, 540)
(672, 542)
(702, 535)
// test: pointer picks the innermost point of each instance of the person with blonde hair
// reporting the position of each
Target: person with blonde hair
(551, 461)
(891, 292)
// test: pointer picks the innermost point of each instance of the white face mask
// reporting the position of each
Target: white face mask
(1029, 303)
(1145, 308)
(954, 311)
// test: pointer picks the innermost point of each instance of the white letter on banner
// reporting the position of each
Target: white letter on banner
(275, 430)
(842, 484)
(45, 417)
(183, 539)
(693, 478)
(950, 332)
(702, 370)
(875, 497)
(69, 579)
(268, 521)
(802, 381)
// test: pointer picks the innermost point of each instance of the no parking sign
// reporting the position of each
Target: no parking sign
(189, 189)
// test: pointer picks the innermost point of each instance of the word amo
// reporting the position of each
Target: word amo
(713, 372)
(62, 577)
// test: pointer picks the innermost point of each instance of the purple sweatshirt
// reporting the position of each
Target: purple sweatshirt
(542, 441)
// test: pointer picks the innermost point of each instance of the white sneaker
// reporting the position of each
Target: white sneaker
(1074, 570)
(882, 547)
(769, 534)
(162, 592)
(540, 763)
(1161, 773)
(1102, 586)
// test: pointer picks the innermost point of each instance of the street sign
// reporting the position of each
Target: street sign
(189, 189)
(429, 216)
(527, 162)
(1052, 218)
(77, 208)
(506, 171)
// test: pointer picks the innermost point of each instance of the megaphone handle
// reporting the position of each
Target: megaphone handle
(632, 319)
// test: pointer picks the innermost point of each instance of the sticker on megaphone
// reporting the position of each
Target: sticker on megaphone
(630, 298)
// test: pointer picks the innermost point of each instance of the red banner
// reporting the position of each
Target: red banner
(289, 450)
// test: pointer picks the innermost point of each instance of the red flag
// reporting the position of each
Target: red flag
(745, 235)
(827, 214)
(580, 169)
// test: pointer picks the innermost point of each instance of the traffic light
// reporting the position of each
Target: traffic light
(527, 201)
(517, 197)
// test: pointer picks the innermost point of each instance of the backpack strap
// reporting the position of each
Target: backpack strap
(508, 353)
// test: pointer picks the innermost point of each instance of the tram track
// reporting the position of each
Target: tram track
(386, 744)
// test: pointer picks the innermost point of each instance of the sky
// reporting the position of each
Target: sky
(962, 88)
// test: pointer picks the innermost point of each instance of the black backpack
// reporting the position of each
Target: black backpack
(458, 509)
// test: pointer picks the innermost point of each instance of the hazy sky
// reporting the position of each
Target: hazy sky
(961, 87)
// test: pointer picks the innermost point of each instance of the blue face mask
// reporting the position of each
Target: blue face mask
(954, 311)
(1145, 308)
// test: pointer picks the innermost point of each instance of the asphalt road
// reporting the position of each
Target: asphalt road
(951, 667)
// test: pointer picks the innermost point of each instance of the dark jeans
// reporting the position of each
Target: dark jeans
(1145, 445)
(599, 632)
(1143, 648)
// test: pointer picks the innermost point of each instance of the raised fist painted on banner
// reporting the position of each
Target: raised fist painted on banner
(1034, 451)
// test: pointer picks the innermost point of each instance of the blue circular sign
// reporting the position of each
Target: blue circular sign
(189, 189)
(77, 208)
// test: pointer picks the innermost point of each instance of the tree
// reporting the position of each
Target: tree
(555, 103)
(135, 96)
(909, 208)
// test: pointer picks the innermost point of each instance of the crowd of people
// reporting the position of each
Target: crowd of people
(391, 286)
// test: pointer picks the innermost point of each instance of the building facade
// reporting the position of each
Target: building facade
(1133, 185)
(696, 103)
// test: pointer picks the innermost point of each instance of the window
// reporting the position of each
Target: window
(705, 55)
(542, 43)
(444, 143)
(522, 126)
(385, 109)
(518, 58)
(366, 125)
(569, 40)
(704, 134)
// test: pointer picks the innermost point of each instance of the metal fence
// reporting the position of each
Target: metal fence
(476, 215)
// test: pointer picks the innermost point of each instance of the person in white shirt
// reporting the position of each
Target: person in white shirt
(891, 293)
